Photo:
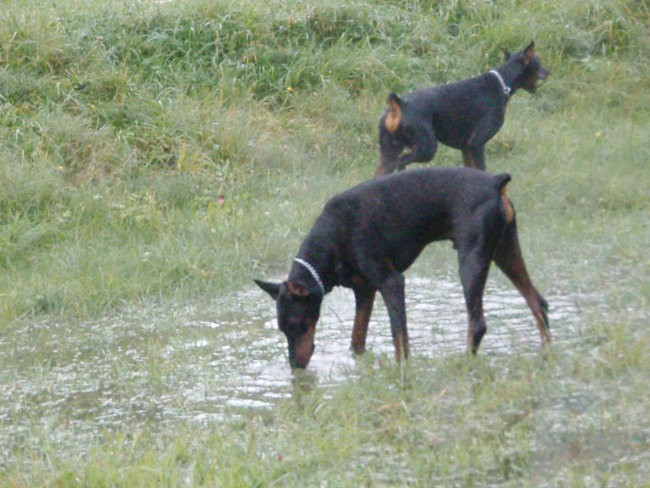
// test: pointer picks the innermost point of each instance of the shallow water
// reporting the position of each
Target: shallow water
(157, 364)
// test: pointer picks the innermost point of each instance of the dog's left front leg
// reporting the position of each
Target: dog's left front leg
(365, 298)
(423, 148)
(392, 291)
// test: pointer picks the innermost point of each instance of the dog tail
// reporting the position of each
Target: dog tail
(500, 184)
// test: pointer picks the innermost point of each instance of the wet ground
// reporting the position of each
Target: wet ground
(157, 364)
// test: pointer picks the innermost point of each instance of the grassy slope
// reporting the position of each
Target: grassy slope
(176, 149)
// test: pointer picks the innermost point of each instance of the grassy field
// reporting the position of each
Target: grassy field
(174, 150)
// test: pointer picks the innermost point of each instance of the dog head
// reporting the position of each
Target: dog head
(395, 133)
(531, 70)
(298, 311)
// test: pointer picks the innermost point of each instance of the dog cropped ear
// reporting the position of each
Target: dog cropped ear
(297, 289)
(501, 184)
(272, 289)
(529, 52)
(394, 114)
(393, 98)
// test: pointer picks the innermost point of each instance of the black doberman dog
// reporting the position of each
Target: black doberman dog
(368, 235)
(463, 115)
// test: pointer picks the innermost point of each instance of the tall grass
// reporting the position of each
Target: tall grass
(124, 124)
(176, 149)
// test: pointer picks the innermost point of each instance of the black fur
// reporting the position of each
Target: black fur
(368, 235)
(463, 115)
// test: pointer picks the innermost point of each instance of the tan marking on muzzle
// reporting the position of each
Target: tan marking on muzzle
(305, 347)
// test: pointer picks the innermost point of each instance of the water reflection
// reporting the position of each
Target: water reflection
(157, 364)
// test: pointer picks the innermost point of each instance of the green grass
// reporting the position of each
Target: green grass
(511, 420)
(123, 125)
(178, 149)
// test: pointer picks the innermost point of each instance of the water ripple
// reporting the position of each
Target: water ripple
(199, 361)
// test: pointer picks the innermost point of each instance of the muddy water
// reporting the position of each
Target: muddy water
(157, 364)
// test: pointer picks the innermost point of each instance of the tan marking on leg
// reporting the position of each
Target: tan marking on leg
(401, 344)
(360, 328)
(509, 259)
(305, 346)
(468, 159)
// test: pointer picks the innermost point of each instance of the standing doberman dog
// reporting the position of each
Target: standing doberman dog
(368, 235)
(463, 115)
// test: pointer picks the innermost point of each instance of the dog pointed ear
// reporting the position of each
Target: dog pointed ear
(506, 54)
(529, 52)
(501, 183)
(394, 114)
(272, 289)
(297, 289)
(394, 98)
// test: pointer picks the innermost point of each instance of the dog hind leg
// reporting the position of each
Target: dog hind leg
(474, 157)
(392, 291)
(473, 267)
(508, 257)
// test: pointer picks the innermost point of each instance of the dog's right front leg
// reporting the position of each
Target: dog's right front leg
(392, 291)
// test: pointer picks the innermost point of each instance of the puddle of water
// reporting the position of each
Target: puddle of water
(157, 364)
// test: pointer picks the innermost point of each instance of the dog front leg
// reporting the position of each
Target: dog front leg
(422, 151)
(392, 291)
(365, 298)
(418, 154)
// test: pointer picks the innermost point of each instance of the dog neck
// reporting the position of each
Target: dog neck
(509, 75)
(507, 91)
(313, 273)
(319, 250)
